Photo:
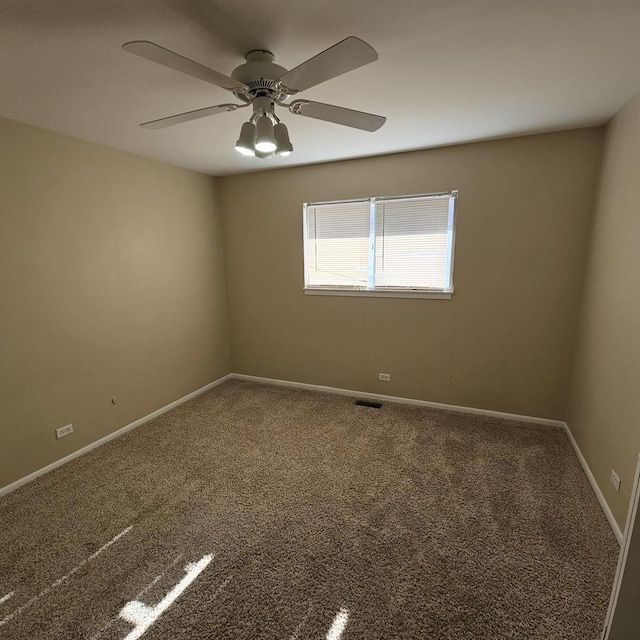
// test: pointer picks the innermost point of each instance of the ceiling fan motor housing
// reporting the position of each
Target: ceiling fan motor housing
(260, 73)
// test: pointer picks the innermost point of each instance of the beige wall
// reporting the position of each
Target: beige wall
(112, 284)
(604, 405)
(505, 341)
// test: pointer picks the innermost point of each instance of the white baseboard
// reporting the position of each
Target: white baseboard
(58, 463)
(594, 485)
(400, 400)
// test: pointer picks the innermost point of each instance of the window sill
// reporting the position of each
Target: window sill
(397, 293)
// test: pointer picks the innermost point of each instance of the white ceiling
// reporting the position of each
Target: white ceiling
(449, 71)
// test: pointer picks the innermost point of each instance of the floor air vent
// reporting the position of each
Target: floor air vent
(368, 403)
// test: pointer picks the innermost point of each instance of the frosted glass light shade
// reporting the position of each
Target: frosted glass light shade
(283, 144)
(265, 140)
(245, 144)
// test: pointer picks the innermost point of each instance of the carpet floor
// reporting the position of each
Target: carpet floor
(255, 511)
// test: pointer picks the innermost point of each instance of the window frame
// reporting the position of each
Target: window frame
(385, 292)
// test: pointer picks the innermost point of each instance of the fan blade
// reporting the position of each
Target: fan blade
(156, 53)
(339, 115)
(189, 115)
(347, 55)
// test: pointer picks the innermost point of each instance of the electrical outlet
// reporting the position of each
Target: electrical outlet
(615, 480)
(384, 376)
(64, 431)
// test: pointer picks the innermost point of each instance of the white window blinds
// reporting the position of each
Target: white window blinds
(338, 244)
(381, 244)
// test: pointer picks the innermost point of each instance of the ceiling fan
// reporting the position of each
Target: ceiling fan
(263, 85)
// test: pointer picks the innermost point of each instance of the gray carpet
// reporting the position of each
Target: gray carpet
(256, 511)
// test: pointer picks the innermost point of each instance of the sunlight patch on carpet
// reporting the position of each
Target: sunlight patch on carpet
(339, 625)
(142, 616)
(138, 595)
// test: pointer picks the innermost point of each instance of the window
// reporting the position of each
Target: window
(399, 246)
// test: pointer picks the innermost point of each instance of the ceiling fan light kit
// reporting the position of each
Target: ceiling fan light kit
(260, 137)
(263, 85)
